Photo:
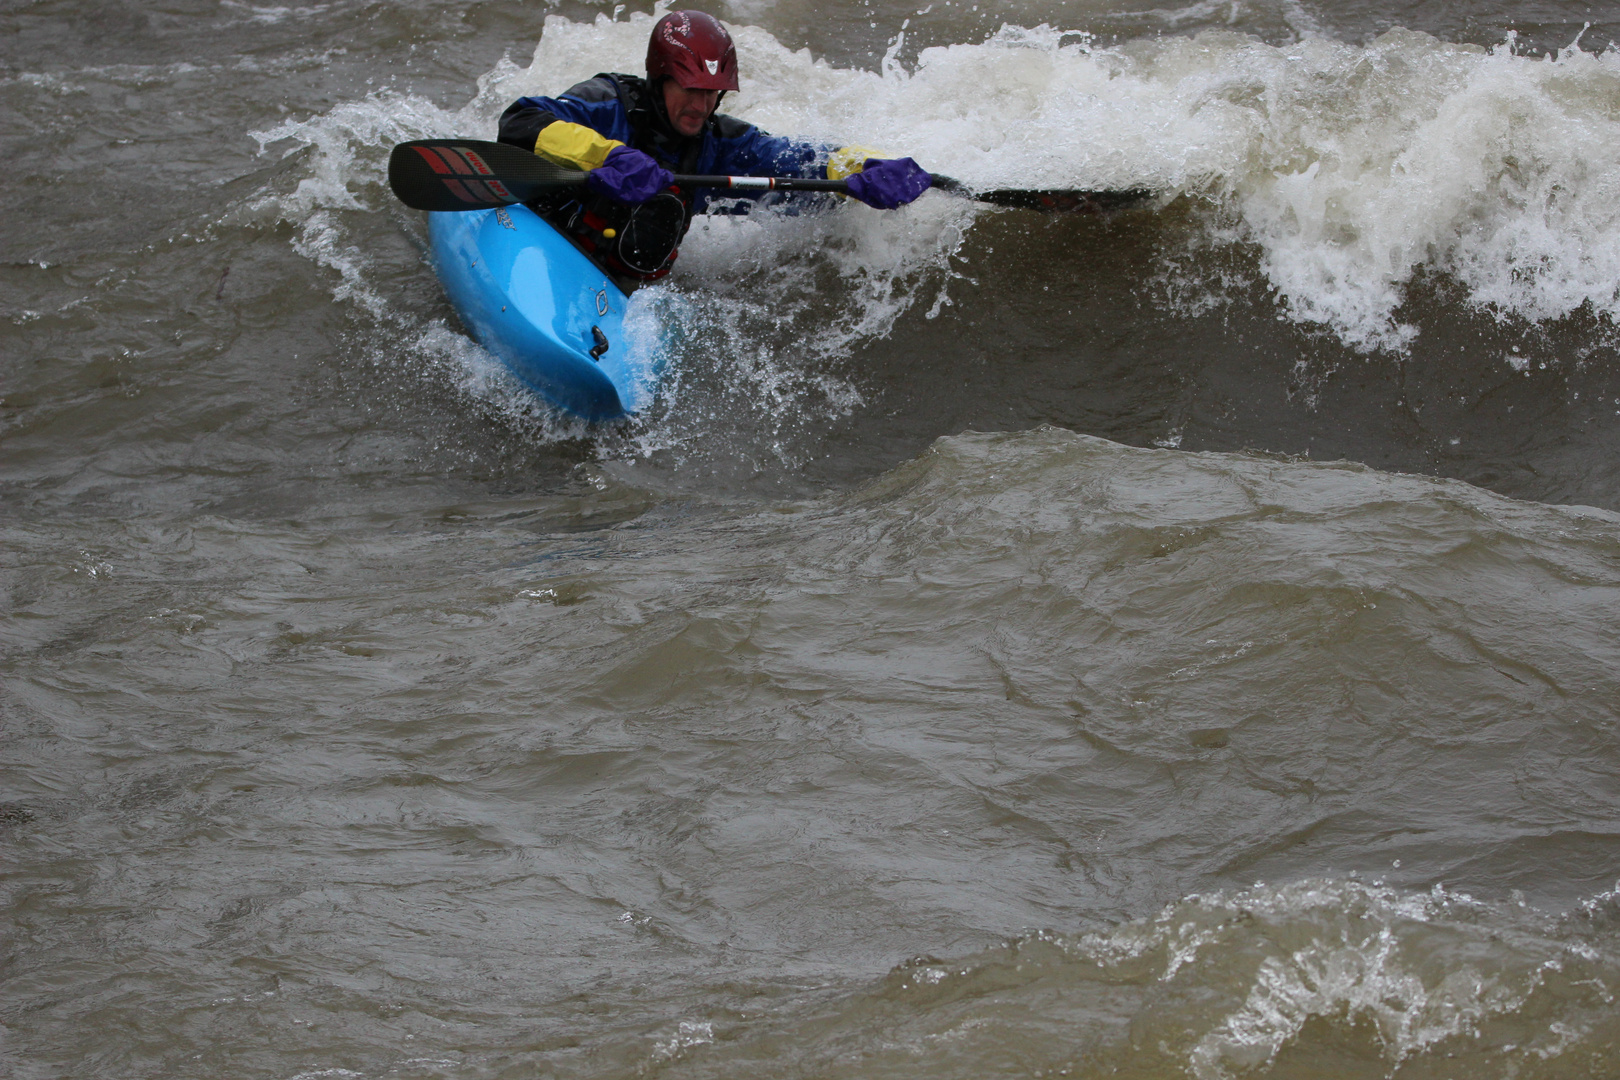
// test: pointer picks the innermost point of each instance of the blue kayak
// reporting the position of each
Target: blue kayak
(552, 316)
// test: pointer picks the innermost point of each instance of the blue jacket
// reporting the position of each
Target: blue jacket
(623, 107)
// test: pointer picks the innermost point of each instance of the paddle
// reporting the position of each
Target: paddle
(471, 174)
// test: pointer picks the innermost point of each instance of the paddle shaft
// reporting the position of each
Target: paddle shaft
(763, 183)
(471, 174)
(1018, 198)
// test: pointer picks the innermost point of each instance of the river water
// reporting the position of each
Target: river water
(1175, 644)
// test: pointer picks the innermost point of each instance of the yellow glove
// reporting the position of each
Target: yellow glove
(844, 163)
(574, 144)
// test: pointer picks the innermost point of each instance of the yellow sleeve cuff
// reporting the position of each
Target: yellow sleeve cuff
(573, 144)
(848, 161)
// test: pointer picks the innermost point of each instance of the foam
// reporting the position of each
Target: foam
(1348, 166)
(1342, 951)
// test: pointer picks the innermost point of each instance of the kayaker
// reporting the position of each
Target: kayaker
(632, 134)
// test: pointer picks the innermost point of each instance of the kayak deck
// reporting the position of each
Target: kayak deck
(541, 307)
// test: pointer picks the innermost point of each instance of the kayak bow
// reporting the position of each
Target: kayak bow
(548, 313)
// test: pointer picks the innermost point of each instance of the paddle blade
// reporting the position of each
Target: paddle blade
(1051, 201)
(1065, 202)
(471, 174)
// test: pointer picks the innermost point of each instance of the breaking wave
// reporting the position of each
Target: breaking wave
(1348, 170)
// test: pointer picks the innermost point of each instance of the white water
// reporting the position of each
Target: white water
(1236, 977)
(1348, 168)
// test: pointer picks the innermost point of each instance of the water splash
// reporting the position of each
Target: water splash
(1222, 985)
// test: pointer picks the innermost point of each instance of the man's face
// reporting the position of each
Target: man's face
(688, 109)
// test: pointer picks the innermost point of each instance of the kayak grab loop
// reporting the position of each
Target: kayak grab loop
(649, 237)
(601, 343)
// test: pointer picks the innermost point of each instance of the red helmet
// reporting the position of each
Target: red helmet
(693, 49)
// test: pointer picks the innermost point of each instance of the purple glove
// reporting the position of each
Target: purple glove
(889, 182)
(628, 176)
